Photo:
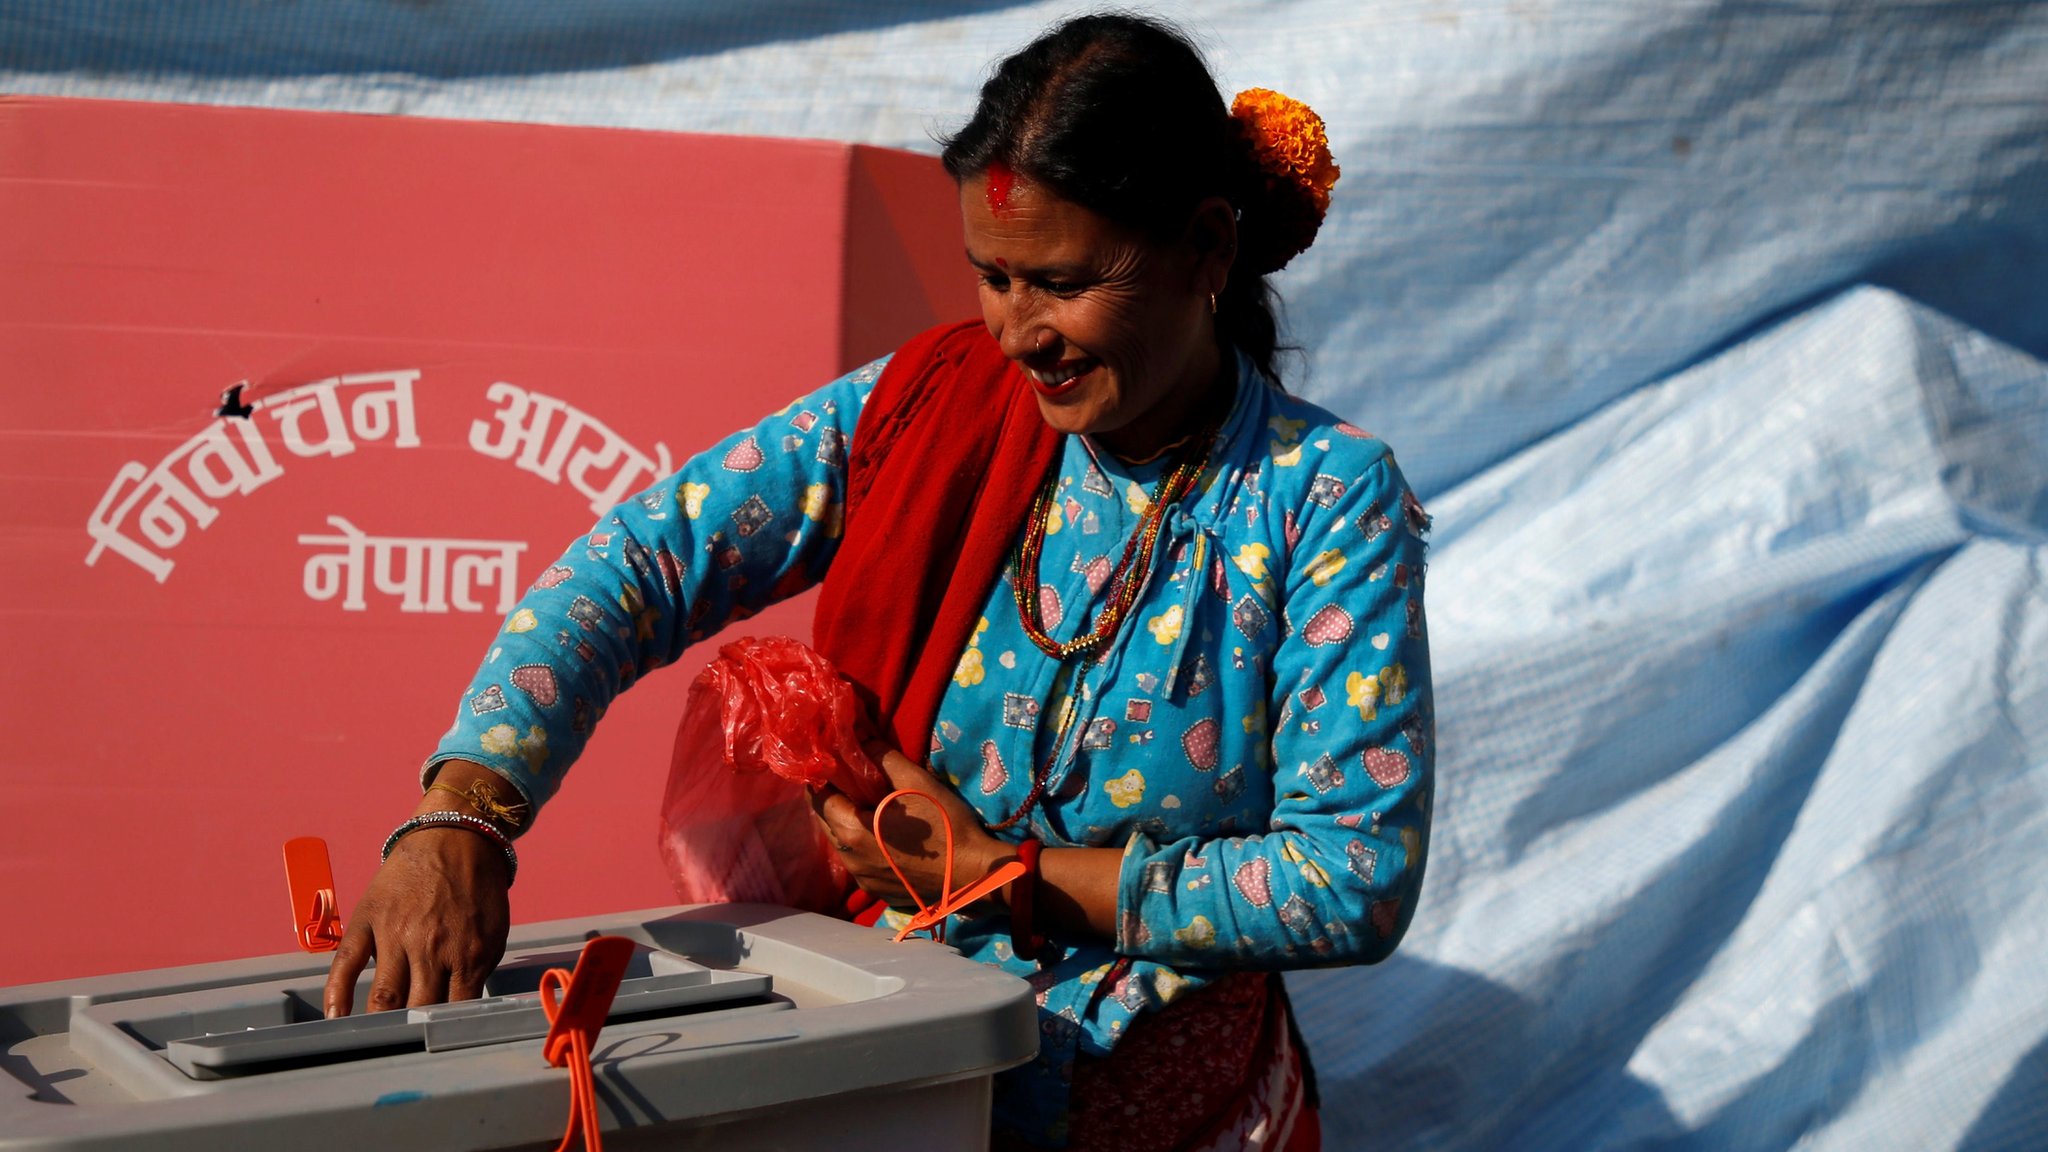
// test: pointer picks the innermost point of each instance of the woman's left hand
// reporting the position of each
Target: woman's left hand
(915, 834)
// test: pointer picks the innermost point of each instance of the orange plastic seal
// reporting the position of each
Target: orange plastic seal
(316, 911)
(933, 916)
(576, 1004)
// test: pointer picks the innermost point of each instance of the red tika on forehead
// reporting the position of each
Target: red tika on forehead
(1000, 181)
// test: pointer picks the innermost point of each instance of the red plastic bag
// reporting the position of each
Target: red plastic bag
(764, 719)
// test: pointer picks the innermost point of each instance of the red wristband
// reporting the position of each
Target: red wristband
(1024, 938)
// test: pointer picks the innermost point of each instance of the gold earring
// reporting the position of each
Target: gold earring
(1212, 303)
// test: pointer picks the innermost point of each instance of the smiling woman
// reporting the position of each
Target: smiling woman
(1114, 332)
(1140, 620)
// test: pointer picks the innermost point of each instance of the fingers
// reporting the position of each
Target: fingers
(388, 989)
(407, 981)
(877, 750)
(911, 825)
(349, 958)
(466, 975)
(844, 822)
(818, 794)
(908, 775)
(428, 983)
(904, 828)
(467, 982)
(903, 772)
(915, 827)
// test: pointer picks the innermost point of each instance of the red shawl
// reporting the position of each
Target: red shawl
(949, 451)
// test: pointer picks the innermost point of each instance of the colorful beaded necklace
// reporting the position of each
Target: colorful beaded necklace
(1129, 576)
(1125, 582)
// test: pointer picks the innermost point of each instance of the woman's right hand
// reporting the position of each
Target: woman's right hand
(434, 919)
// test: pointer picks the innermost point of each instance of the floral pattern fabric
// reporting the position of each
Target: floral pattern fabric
(1257, 741)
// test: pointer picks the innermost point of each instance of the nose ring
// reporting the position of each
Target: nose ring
(1044, 341)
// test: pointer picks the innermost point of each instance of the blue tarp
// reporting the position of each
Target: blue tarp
(1713, 333)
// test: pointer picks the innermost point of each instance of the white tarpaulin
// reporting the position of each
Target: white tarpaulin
(1713, 335)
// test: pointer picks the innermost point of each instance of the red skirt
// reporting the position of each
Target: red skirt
(1220, 1071)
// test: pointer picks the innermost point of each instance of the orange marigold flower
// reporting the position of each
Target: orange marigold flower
(1288, 141)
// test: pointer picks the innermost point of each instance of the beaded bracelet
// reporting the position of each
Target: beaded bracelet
(476, 824)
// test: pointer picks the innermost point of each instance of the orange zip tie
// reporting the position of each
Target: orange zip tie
(933, 916)
(576, 1005)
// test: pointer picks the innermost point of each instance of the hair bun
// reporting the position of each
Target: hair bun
(1290, 153)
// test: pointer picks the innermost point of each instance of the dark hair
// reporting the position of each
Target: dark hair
(1118, 113)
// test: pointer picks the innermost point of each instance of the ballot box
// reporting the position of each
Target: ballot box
(736, 1027)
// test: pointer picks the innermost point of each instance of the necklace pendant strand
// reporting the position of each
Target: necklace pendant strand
(1126, 581)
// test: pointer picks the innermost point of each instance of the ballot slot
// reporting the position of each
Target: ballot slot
(278, 1026)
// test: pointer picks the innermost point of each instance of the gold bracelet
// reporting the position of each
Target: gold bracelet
(484, 799)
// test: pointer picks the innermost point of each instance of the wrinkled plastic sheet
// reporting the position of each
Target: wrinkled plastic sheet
(1713, 335)
(1743, 708)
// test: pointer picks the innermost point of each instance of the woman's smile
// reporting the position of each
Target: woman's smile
(1062, 378)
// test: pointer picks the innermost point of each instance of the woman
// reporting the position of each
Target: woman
(1157, 623)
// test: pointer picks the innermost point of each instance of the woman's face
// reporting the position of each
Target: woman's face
(1113, 331)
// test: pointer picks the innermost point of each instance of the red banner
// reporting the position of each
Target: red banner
(296, 404)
